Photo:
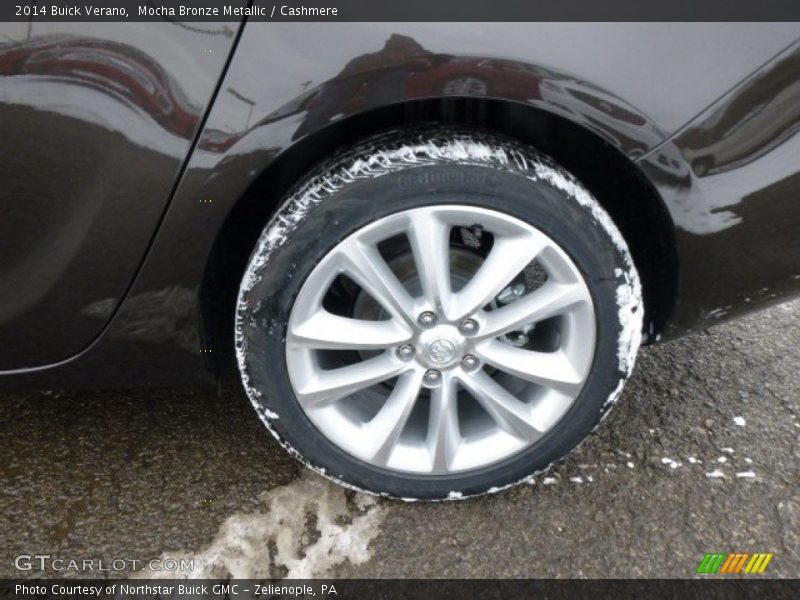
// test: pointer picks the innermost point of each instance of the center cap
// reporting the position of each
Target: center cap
(441, 351)
(441, 347)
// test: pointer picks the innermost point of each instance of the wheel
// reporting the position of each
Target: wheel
(436, 315)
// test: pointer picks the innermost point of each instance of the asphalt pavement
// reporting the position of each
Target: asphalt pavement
(702, 454)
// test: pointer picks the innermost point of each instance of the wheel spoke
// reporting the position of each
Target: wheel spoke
(508, 257)
(334, 384)
(444, 436)
(430, 244)
(548, 369)
(324, 330)
(549, 300)
(366, 266)
(384, 430)
(512, 415)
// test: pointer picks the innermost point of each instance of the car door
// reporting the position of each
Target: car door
(97, 121)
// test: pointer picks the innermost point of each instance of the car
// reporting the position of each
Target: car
(429, 252)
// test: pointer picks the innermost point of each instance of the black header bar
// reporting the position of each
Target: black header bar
(400, 10)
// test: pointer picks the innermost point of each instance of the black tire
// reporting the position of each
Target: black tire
(401, 170)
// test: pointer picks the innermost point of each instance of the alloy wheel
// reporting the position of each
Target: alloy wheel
(455, 370)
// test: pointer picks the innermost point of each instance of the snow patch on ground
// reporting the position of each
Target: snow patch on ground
(305, 529)
(739, 421)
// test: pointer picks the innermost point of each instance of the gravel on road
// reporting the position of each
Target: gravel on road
(702, 454)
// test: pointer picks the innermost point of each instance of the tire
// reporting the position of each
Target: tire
(488, 200)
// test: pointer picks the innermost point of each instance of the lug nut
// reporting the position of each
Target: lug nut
(469, 362)
(427, 319)
(405, 352)
(511, 293)
(469, 327)
(517, 338)
(432, 377)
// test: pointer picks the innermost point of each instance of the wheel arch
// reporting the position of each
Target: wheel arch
(611, 175)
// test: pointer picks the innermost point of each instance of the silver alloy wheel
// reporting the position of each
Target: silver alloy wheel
(423, 378)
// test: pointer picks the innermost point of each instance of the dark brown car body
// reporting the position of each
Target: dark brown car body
(140, 162)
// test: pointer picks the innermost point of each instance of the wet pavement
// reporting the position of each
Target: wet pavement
(701, 455)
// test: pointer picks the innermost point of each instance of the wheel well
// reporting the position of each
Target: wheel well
(616, 182)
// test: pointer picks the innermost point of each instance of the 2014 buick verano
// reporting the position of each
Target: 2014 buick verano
(431, 251)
